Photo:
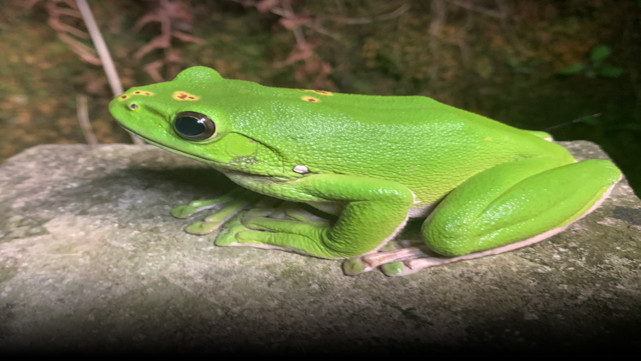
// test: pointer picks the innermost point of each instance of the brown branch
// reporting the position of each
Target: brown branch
(83, 119)
(55, 22)
(471, 7)
(175, 21)
(103, 52)
(85, 53)
(366, 20)
(67, 33)
(438, 11)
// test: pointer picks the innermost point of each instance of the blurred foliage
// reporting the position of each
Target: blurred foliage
(501, 58)
(595, 65)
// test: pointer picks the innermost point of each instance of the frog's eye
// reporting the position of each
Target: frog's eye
(194, 126)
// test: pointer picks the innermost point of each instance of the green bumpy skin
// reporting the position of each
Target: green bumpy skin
(372, 161)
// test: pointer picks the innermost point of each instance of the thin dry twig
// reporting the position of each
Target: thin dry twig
(103, 52)
(86, 53)
(174, 19)
(371, 19)
(303, 50)
(439, 15)
(57, 9)
(83, 117)
(101, 47)
(481, 10)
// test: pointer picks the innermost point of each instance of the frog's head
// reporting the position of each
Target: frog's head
(190, 115)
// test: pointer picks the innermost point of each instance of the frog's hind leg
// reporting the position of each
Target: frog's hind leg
(501, 209)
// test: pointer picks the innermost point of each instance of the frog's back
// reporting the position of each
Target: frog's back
(411, 112)
(415, 120)
(414, 140)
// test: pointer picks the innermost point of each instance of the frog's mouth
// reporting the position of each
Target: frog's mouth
(220, 166)
(169, 148)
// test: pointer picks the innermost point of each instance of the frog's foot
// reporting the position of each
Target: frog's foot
(226, 207)
(405, 261)
(388, 257)
(287, 227)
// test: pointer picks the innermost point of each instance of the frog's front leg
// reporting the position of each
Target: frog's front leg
(228, 205)
(372, 211)
(504, 208)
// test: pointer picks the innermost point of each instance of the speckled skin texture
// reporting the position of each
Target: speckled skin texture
(426, 145)
(375, 159)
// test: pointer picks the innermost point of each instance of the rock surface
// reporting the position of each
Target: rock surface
(91, 261)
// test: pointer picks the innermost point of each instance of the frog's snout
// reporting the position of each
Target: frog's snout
(120, 110)
(123, 103)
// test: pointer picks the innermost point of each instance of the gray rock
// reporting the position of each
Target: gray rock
(91, 261)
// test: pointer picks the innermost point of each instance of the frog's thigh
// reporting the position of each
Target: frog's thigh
(514, 202)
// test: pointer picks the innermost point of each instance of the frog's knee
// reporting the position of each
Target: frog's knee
(602, 169)
(450, 239)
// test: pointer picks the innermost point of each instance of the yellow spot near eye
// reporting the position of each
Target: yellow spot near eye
(143, 92)
(135, 92)
(488, 138)
(310, 99)
(184, 96)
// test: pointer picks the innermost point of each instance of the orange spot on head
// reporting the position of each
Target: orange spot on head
(136, 92)
(310, 99)
(323, 92)
(181, 95)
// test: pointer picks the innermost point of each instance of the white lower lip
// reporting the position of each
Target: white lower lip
(168, 148)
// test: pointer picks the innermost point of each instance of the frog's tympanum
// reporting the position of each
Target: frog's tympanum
(367, 162)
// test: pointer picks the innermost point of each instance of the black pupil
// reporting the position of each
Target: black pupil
(194, 126)
(190, 126)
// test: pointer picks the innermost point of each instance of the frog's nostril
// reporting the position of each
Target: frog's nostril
(133, 106)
